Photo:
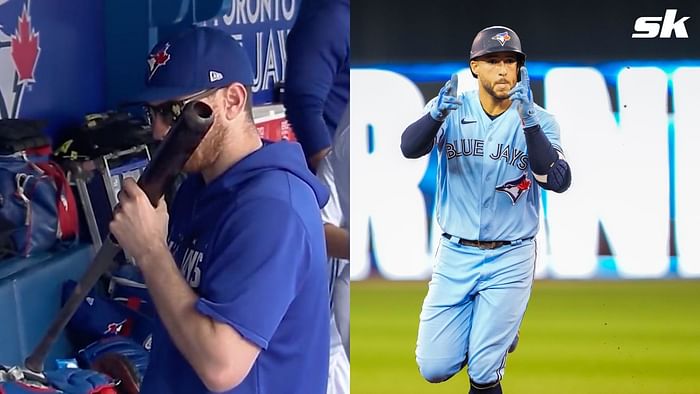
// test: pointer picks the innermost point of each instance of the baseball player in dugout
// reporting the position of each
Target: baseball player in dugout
(496, 148)
(317, 85)
(239, 278)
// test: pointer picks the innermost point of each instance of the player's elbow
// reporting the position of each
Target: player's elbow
(564, 186)
(408, 153)
(558, 188)
(563, 177)
(221, 378)
(227, 360)
(557, 179)
(555, 187)
(218, 384)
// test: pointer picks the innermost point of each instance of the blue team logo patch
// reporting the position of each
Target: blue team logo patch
(515, 188)
(502, 38)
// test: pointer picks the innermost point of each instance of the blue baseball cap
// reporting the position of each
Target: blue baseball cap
(197, 59)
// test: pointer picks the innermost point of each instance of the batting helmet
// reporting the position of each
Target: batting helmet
(496, 39)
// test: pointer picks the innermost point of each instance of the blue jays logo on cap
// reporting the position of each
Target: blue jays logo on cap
(158, 59)
(502, 38)
(515, 188)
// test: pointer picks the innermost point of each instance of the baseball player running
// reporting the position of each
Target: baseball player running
(496, 149)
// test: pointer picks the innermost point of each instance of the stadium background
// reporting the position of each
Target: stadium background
(614, 309)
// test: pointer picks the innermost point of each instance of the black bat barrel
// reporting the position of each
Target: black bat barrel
(177, 147)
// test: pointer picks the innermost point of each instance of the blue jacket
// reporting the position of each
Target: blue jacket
(251, 245)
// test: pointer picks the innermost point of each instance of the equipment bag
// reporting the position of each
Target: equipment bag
(36, 201)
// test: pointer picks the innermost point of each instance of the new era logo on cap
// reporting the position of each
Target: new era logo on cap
(215, 76)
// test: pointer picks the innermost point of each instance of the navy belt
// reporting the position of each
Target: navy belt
(485, 244)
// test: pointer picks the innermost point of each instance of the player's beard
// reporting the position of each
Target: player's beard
(501, 94)
(208, 150)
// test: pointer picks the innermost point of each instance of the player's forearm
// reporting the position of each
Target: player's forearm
(418, 138)
(540, 151)
(200, 339)
(548, 165)
(309, 81)
(317, 56)
(309, 127)
(337, 241)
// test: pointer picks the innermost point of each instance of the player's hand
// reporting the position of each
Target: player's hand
(521, 95)
(445, 104)
(138, 227)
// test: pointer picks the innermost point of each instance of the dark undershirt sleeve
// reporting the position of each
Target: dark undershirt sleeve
(418, 138)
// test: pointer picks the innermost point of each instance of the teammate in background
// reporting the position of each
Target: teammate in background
(317, 89)
(496, 148)
(317, 86)
(334, 172)
(240, 284)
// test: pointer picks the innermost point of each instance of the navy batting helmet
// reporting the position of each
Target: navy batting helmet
(496, 39)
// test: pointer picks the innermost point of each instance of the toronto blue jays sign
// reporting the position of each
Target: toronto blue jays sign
(262, 26)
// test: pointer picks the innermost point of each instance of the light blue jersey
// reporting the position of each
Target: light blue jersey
(486, 190)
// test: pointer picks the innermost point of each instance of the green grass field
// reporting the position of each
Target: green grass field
(577, 337)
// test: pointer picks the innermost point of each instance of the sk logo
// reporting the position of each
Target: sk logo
(661, 26)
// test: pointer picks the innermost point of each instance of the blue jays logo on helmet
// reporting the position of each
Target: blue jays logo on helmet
(502, 38)
(515, 188)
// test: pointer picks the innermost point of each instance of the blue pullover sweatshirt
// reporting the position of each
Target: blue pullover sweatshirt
(251, 245)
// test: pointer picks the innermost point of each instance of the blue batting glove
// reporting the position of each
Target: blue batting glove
(445, 104)
(521, 95)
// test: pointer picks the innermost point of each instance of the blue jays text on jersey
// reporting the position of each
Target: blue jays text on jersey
(474, 147)
(189, 262)
(486, 190)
